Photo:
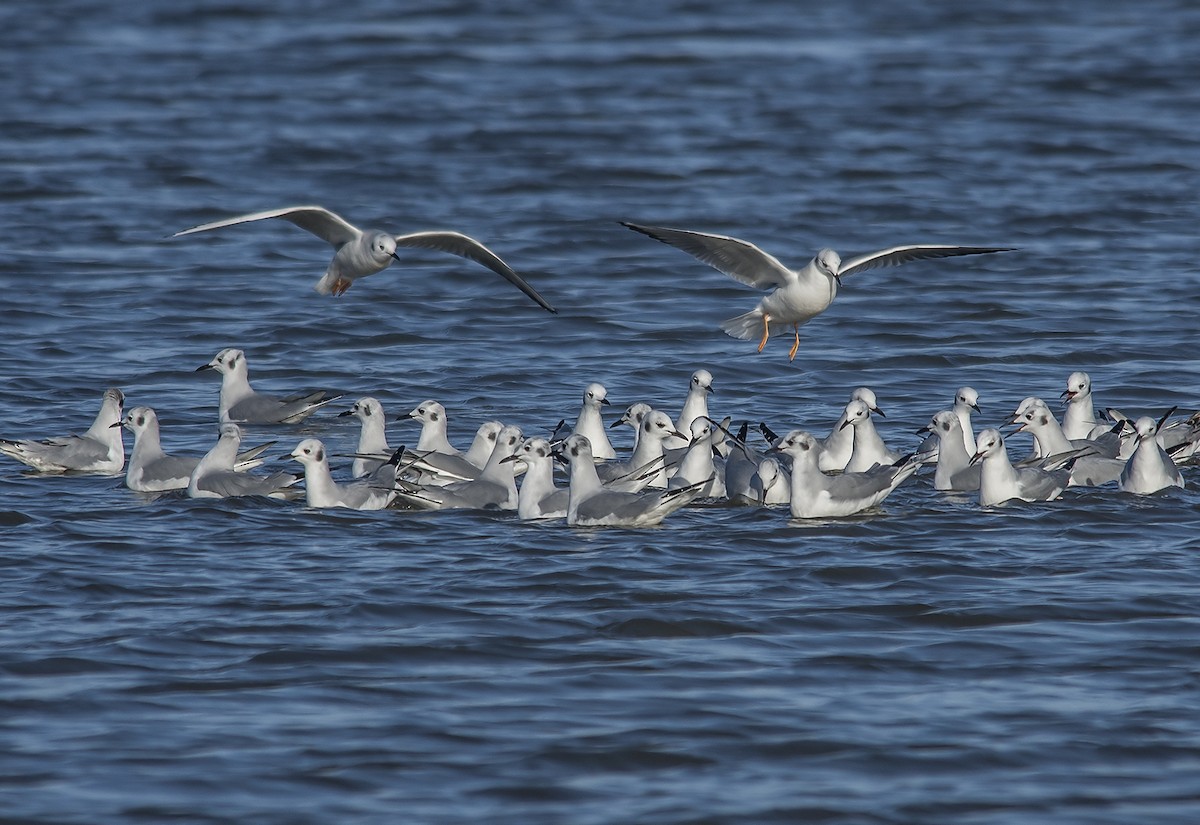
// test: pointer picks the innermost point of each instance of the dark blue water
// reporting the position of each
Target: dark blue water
(250, 661)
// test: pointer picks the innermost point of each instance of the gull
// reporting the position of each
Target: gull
(1000, 481)
(647, 458)
(99, 450)
(697, 467)
(442, 461)
(751, 478)
(1097, 458)
(151, 470)
(590, 504)
(868, 449)
(496, 487)
(373, 492)
(1149, 469)
(797, 296)
(241, 404)
(954, 473)
(373, 450)
(837, 447)
(966, 401)
(590, 425)
(817, 495)
(695, 405)
(1079, 420)
(215, 477)
(633, 416)
(538, 497)
(360, 253)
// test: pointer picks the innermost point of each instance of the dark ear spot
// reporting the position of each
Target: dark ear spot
(433, 416)
(366, 411)
(320, 456)
(945, 426)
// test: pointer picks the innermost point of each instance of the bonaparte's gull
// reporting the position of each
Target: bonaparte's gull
(99, 450)
(373, 492)
(591, 504)
(954, 473)
(152, 470)
(633, 416)
(647, 456)
(868, 447)
(1149, 469)
(1038, 420)
(817, 495)
(538, 497)
(797, 296)
(837, 447)
(1000, 481)
(373, 450)
(695, 405)
(697, 466)
(215, 477)
(360, 253)
(1079, 420)
(496, 487)
(241, 404)
(590, 425)
(771, 484)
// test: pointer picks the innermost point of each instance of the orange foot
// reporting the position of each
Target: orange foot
(796, 345)
(340, 286)
(766, 332)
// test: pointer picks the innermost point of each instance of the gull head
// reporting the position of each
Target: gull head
(309, 452)
(989, 443)
(657, 424)
(365, 409)
(383, 248)
(856, 413)
(967, 397)
(228, 361)
(138, 420)
(828, 263)
(701, 381)
(595, 395)
(945, 424)
(800, 445)
(428, 412)
(1078, 384)
(867, 396)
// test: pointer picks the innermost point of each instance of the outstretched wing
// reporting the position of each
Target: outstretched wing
(896, 255)
(465, 246)
(739, 260)
(326, 225)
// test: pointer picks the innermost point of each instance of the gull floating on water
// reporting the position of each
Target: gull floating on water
(99, 450)
(868, 448)
(496, 487)
(538, 497)
(590, 425)
(1000, 481)
(797, 296)
(695, 405)
(373, 450)
(591, 504)
(241, 404)
(215, 476)
(817, 495)
(1149, 469)
(374, 492)
(360, 253)
(954, 472)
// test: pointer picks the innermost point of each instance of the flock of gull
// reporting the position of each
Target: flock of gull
(673, 461)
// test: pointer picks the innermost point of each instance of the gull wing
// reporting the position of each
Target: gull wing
(738, 259)
(467, 247)
(896, 255)
(326, 225)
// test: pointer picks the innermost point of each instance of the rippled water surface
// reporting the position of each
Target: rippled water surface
(930, 662)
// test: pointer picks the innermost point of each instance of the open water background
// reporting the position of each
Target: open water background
(249, 661)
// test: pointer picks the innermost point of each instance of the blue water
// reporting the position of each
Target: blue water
(931, 662)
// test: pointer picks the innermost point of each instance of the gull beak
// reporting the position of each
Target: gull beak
(975, 459)
(926, 429)
(605, 402)
(205, 367)
(1067, 394)
(509, 458)
(975, 407)
(618, 423)
(878, 412)
(709, 388)
(844, 424)
(118, 424)
(346, 413)
(394, 255)
(678, 434)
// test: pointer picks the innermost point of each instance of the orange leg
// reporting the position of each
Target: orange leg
(766, 332)
(340, 286)
(795, 346)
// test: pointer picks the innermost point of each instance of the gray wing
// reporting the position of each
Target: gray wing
(738, 259)
(72, 452)
(896, 255)
(173, 471)
(1040, 485)
(261, 408)
(859, 486)
(227, 483)
(470, 495)
(467, 247)
(623, 506)
(326, 225)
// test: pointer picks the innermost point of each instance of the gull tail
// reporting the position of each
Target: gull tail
(747, 327)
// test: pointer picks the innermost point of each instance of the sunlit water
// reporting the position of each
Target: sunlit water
(931, 662)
